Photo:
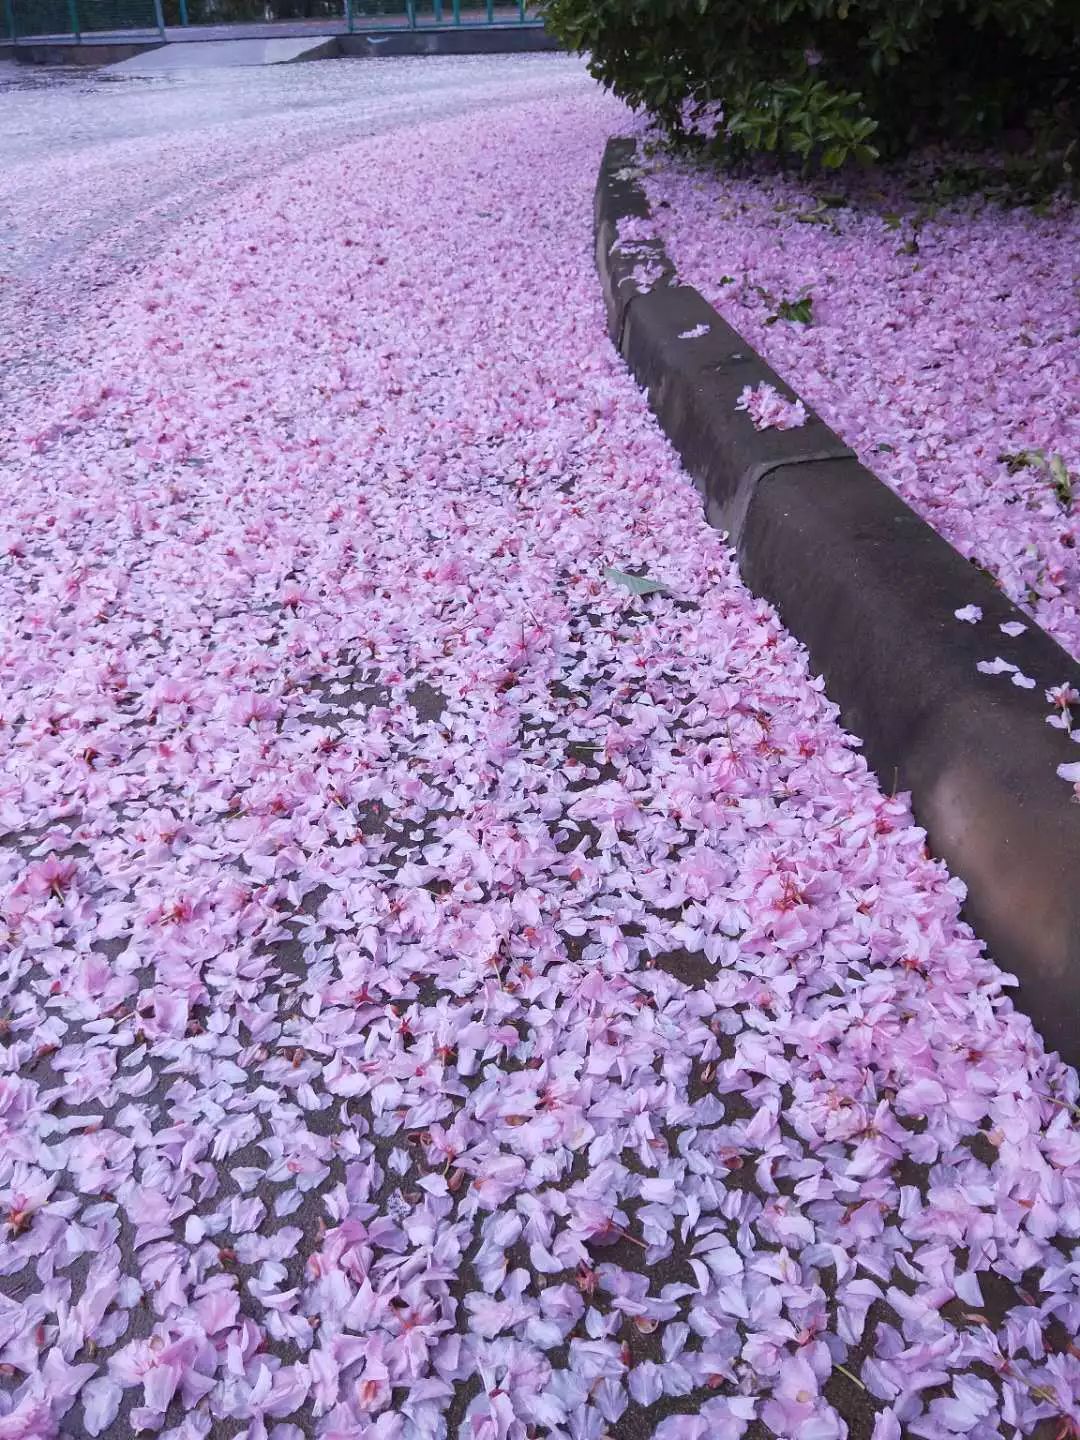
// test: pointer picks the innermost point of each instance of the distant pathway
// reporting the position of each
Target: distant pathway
(99, 169)
(442, 993)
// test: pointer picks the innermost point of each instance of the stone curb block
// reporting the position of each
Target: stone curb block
(871, 590)
(508, 39)
(90, 53)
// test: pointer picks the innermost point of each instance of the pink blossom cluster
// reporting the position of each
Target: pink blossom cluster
(444, 992)
(941, 345)
(769, 410)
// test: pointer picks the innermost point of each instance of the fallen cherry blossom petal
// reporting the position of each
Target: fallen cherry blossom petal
(441, 990)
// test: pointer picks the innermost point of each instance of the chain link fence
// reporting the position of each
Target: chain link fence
(74, 19)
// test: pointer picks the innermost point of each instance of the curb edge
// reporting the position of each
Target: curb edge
(870, 589)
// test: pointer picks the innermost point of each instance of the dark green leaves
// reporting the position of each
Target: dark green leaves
(1052, 466)
(800, 311)
(827, 83)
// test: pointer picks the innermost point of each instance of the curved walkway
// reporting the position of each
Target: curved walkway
(444, 991)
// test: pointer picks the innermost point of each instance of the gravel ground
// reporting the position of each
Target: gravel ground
(444, 990)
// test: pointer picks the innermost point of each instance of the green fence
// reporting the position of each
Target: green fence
(82, 17)
(27, 19)
(232, 12)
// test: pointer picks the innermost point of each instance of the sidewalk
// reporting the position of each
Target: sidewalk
(446, 987)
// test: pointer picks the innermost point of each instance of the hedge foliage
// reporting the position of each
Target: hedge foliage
(828, 81)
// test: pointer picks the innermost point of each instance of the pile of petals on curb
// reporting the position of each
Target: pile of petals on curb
(769, 410)
(942, 347)
(442, 991)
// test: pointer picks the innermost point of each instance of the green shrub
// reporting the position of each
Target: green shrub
(827, 81)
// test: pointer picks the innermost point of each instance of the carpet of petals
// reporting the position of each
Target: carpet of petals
(944, 347)
(444, 992)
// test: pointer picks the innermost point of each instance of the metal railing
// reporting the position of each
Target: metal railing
(74, 20)
(419, 14)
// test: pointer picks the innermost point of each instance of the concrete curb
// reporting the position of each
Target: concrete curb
(509, 39)
(871, 590)
(91, 53)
